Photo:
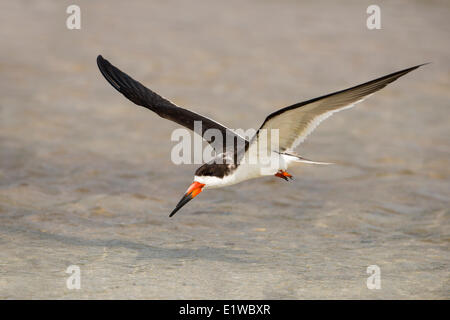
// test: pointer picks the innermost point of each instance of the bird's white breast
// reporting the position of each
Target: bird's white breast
(246, 171)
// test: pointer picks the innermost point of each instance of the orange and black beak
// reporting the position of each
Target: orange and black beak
(194, 189)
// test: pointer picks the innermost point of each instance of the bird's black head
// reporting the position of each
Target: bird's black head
(218, 170)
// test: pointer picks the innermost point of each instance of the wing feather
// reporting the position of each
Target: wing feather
(297, 121)
(142, 96)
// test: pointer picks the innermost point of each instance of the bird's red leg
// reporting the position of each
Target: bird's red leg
(283, 175)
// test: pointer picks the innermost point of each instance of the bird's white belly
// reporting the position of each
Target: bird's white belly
(247, 171)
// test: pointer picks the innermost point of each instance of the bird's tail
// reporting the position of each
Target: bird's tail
(297, 158)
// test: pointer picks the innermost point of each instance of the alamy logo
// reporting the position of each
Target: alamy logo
(74, 19)
(240, 146)
(74, 280)
(374, 280)
(374, 20)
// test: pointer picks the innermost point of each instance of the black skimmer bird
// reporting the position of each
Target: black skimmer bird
(294, 123)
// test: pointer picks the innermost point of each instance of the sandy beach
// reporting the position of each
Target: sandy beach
(86, 177)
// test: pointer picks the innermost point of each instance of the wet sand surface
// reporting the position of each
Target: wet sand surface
(86, 177)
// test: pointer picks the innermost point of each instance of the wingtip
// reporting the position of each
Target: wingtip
(400, 73)
(100, 60)
(419, 65)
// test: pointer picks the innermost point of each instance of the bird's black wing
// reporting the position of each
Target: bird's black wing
(145, 97)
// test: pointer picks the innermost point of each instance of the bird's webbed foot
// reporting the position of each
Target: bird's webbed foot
(284, 175)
